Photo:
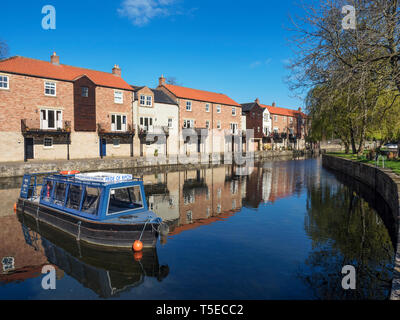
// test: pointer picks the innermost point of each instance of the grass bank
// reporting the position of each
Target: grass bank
(389, 164)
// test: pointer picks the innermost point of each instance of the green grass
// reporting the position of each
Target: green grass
(389, 164)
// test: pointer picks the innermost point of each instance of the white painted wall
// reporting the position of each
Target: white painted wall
(160, 113)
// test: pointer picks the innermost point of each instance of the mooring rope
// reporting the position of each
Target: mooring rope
(140, 239)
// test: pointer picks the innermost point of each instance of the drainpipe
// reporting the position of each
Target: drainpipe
(68, 143)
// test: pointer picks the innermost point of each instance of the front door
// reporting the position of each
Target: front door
(103, 147)
(29, 148)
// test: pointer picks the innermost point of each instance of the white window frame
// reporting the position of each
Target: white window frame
(124, 126)
(234, 128)
(50, 85)
(142, 100)
(233, 111)
(218, 108)
(149, 101)
(44, 121)
(189, 105)
(219, 126)
(52, 143)
(186, 121)
(208, 107)
(5, 81)
(208, 124)
(275, 118)
(170, 123)
(118, 99)
(149, 127)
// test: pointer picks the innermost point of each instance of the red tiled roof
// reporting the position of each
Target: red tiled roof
(283, 111)
(44, 69)
(200, 95)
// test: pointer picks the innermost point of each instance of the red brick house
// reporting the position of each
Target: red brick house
(212, 115)
(258, 119)
(275, 125)
(291, 124)
(51, 110)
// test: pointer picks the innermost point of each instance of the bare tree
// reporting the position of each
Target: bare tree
(355, 67)
(172, 80)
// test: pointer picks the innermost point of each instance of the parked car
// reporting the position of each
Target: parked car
(391, 146)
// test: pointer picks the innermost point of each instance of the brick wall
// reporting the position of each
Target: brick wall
(105, 106)
(26, 97)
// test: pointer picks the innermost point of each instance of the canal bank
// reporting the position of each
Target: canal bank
(383, 181)
(18, 169)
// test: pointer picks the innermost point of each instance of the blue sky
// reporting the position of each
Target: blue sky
(233, 47)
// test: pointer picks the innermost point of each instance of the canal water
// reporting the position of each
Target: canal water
(285, 231)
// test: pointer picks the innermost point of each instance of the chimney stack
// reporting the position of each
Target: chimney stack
(258, 101)
(273, 104)
(116, 70)
(300, 109)
(55, 59)
(161, 81)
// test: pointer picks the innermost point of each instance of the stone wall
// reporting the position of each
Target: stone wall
(384, 182)
(18, 169)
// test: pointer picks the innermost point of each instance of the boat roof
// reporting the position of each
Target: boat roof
(95, 178)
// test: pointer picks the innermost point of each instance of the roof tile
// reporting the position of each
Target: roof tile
(44, 69)
(201, 95)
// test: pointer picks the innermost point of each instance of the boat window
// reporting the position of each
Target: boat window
(74, 197)
(59, 194)
(46, 190)
(91, 200)
(125, 199)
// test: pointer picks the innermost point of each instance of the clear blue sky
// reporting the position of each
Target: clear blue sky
(233, 47)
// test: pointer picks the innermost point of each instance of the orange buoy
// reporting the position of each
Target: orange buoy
(15, 207)
(137, 246)
(138, 256)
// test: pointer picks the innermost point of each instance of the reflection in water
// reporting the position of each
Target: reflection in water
(105, 271)
(345, 230)
(309, 223)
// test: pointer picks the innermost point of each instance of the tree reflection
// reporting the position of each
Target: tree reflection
(345, 230)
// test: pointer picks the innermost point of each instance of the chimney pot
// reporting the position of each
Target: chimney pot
(273, 104)
(161, 81)
(55, 59)
(116, 70)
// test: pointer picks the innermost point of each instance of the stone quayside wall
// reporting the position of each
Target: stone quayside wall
(383, 181)
(18, 169)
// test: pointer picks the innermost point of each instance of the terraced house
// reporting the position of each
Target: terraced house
(55, 111)
(214, 119)
(274, 125)
(156, 121)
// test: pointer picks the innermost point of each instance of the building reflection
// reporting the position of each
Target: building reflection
(188, 199)
(185, 199)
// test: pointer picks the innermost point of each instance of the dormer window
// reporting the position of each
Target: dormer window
(4, 82)
(118, 97)
(50, 88)
(149, 101)
(146, 101)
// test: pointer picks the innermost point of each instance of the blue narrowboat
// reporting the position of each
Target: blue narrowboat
(105, 209)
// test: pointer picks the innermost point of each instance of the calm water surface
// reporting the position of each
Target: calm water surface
(284, 232)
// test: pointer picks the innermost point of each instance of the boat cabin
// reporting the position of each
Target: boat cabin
(95, 196)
